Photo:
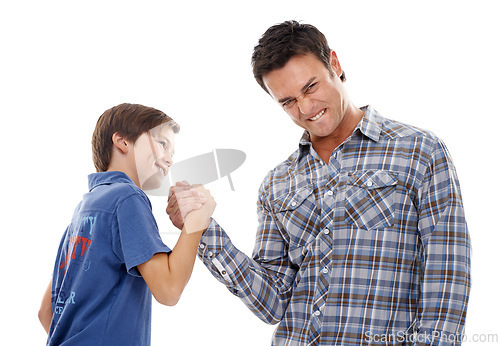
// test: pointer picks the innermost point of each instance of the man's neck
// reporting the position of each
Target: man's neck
(324, 146)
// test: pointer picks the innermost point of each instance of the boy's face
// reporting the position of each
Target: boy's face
(153, 152)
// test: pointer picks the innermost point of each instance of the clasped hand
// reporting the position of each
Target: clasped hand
(190, 207)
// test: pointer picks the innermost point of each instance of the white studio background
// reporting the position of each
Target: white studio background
(433, 64)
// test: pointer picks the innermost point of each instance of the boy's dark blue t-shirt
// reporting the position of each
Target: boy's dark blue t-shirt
(98, 295)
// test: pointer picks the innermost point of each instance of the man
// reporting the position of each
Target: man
(362, 237)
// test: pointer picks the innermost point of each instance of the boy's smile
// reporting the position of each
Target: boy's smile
(153, 152)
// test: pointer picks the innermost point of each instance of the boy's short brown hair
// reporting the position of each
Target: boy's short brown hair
(128, 120)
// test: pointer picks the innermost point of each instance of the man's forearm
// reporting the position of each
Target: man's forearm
(245, 277)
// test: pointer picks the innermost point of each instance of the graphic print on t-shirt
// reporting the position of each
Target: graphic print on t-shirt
(76, 252)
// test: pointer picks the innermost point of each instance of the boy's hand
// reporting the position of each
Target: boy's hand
(199, 219)
(182, 199)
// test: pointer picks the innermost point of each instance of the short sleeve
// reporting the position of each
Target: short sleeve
(138, 235)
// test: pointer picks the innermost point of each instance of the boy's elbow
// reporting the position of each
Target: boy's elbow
(168, 297)
(45, 317)
(43, 313)
(41, 316)
(171, 301)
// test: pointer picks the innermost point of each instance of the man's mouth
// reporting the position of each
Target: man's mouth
(317, 116)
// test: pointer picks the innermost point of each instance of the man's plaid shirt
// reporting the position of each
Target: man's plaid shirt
(370, 248)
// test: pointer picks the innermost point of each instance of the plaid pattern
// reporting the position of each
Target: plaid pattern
(364, 250)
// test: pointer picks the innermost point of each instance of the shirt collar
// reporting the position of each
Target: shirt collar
(369, 126)
(107, 178)
(370, 123)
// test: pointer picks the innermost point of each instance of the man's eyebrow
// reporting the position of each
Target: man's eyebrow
(309, 82)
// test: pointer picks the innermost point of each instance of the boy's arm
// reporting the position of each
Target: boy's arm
(167, 274)
(45, 312)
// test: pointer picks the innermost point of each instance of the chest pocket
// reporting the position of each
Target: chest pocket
(298, 214)
(369, 201)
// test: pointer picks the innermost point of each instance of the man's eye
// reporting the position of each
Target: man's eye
(287, 103)
(312, 88)
(163, 144)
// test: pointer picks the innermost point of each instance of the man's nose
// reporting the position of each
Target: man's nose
(304, 104)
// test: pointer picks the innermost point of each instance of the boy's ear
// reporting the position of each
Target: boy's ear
(121, 143)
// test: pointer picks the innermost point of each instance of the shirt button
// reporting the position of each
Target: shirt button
(202, 246)
(326, 231)
(325, 270)
(369, 183)
(223, 272)
(294, 204)
(329, 193)
(317, 313)
(210, 254)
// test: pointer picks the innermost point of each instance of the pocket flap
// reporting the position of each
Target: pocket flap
(373, 179)
(292, 200)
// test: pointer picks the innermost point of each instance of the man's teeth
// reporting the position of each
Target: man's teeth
(318, 116)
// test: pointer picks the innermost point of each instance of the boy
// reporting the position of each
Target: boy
(111, 256)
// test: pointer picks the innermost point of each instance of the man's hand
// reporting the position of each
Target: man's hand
(199, 219)
(182, 199)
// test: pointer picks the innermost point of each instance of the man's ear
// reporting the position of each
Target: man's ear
(335, 64)
(121, 143)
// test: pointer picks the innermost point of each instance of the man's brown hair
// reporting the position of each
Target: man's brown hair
(129, 121)
(283, 41)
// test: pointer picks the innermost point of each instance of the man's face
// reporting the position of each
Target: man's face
(153, 152)
(309, 93)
